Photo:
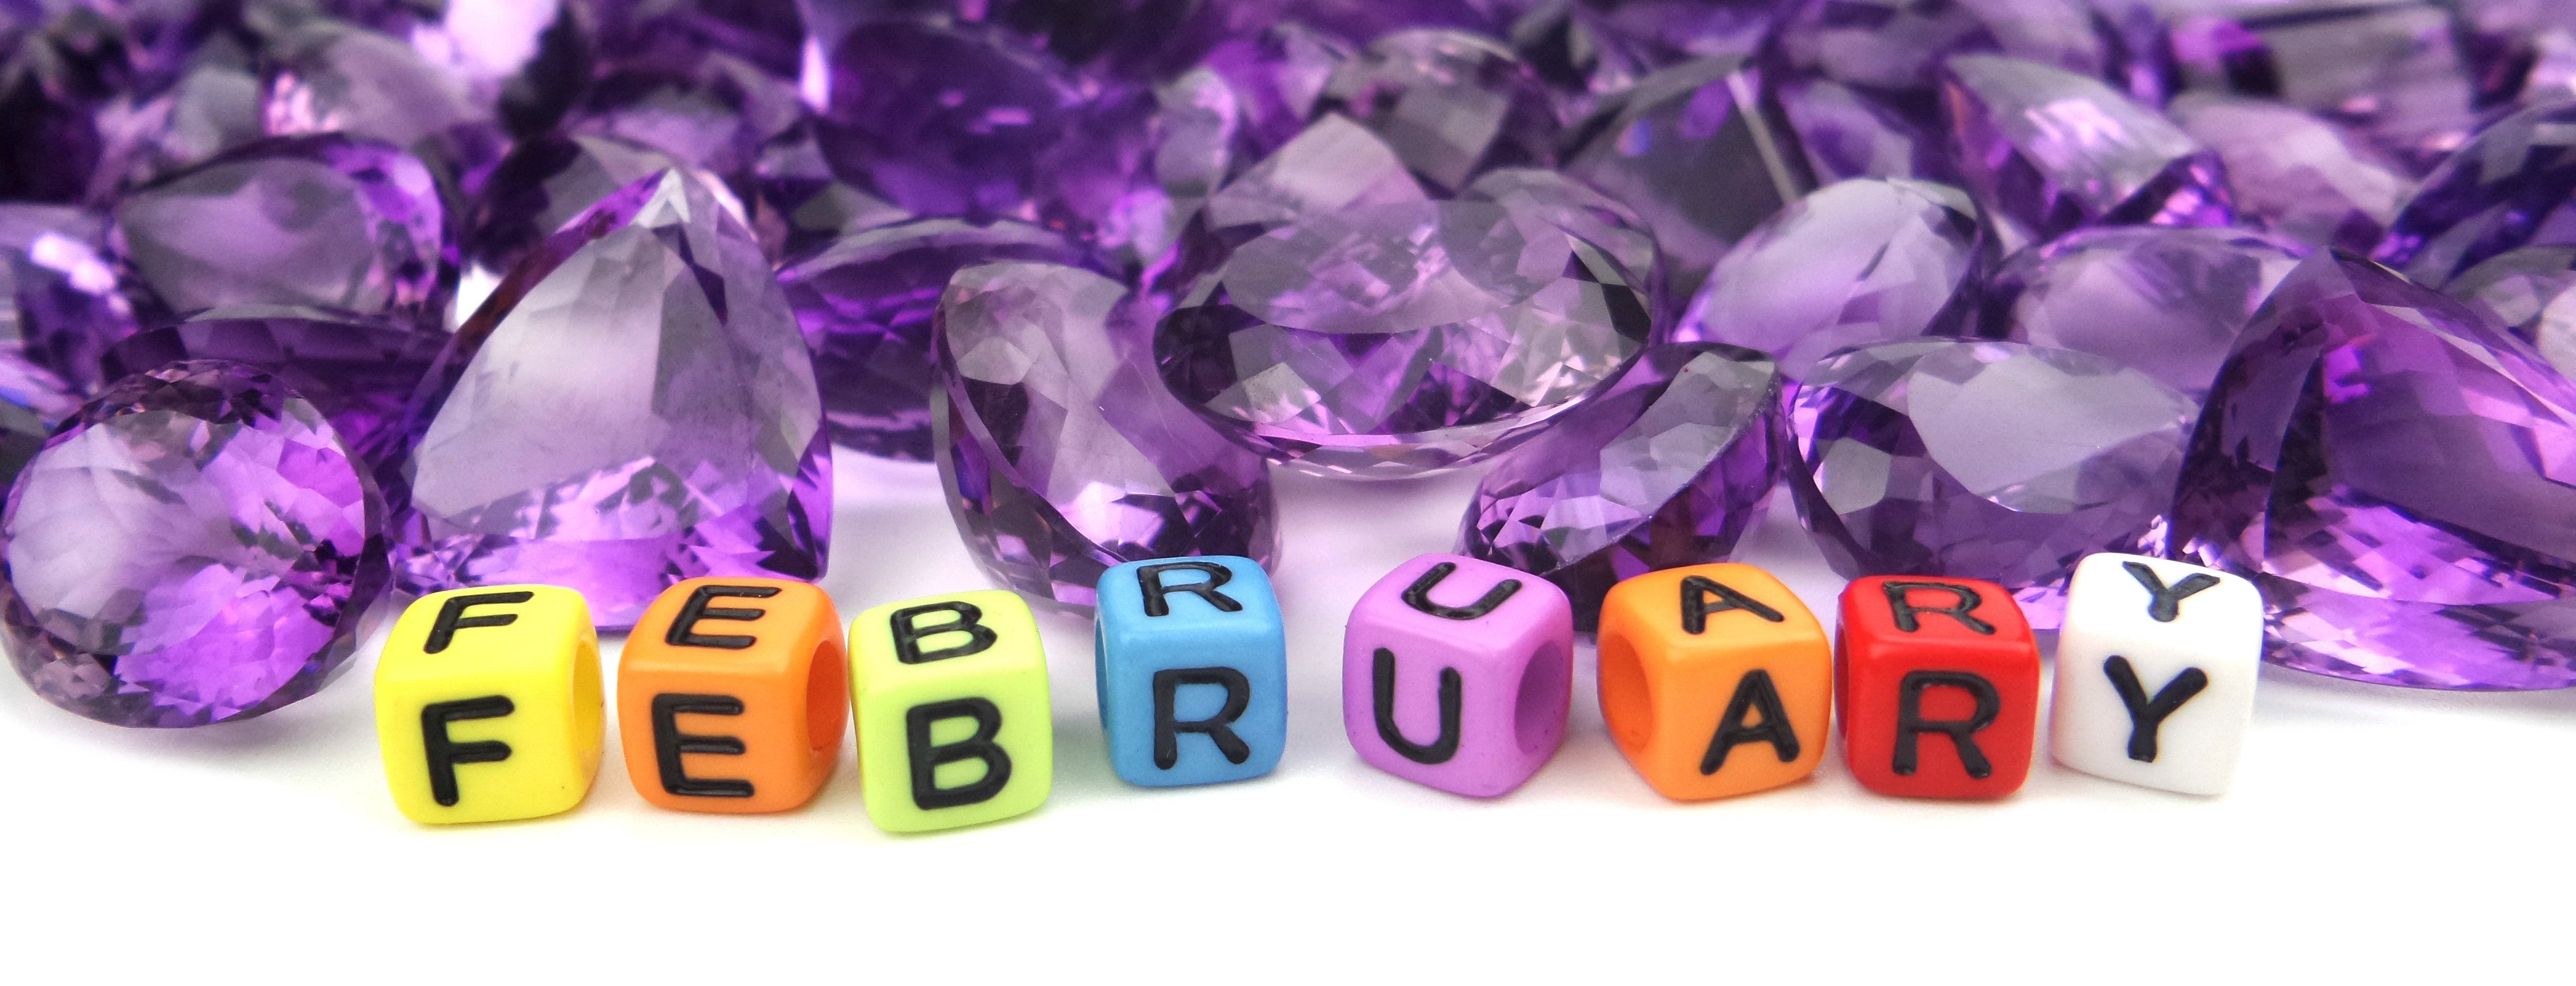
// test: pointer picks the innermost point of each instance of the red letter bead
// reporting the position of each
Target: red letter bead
(1936, 686)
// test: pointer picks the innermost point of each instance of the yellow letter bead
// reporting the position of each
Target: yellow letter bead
(954, 723)
(488, 704)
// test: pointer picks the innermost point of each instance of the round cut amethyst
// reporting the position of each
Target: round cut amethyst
(2396, 474)
(2513, 186)
(638, 409)
(1399, 339)
(1061, 453)
(2532, 292)
(197, 546)
(59, 306)
(1453, 104)
(2169, 302)
(1983, 460)
(2296, 174)
(1666, 467)
(360, 371)
(1856, 263)
(2051, 150)
(866, 305)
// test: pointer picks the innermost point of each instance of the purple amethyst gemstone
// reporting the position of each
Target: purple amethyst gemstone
(1677, 30)
(713, 111)
(1399, 339)
(1062, 455)
(1896, 47)
(2050, 150)
(196, 547)
(866, 305)
(2395, 473)
(328, 221)
(1666, 467)
(2513, 186)
(2390, 70)
(360, 371)
(332, 78)
(1332, 166)
(1578, 53)
(62, 307)
(60, 65)
(1983, 460)
(544, 183)
(1452, 104)
(1856, 263)
(799, 206)
(1848, 134)
(1276, 76)
(2297, 174)
(213, 108)
(638, 409)
(2517, 47)
(1700, 152)
(2532, 292)
(1578, 209)
(766, 34)
(1193, 133)
(2166, 301)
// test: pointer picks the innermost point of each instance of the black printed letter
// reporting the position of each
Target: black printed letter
(1964, 601)
(1418, 595)
(908, 637)
(669, 742)
(926, 758)
(1150, 579)
(2163, 604)
(2147, 715)
(1753, 693)
(1910, 724)
(1167, 730)
(1696, 594)
(445, 754)
(684, 628)
(1442, 747)
(451, 616)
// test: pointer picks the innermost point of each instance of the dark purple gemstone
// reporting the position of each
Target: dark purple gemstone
(360, 371)
(712, 112)
(1194, 135)
(1453, 104)
(765, 33)
(543, 184)
(1848, 134)
(328, 220)
(1896, 47)
(2517, 48)
(799, 206)
(2050, 150)
(1666, 466)
(2395, 473)
(1276, 76)
(2390, 70)
(2532, 292)
(63, 307)
(2513, 186)
(2297, 174)
(638, 409)
(1983, 460)
(1677, 30)
(2167, 301)
(1856, 263)
(1062, 454)
(197, 546)
(332, 78)
(1580, 54)
(866, 303)
(60, 65)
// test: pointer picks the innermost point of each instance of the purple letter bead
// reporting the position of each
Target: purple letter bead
(1456, 673)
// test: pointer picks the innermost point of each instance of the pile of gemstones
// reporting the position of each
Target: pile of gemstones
(313, 301)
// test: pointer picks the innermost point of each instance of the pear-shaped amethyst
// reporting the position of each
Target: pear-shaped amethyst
(2050, 150)
(197, 546)
(2398, 476)
(2168, 301)
(2512, 186)
(544, 183)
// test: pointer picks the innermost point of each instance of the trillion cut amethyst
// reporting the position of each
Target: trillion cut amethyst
(1666, 467)
(1856, 263)
(2532, 292)
(2050, 150)
(1452, 104)
(2396, 474)
(1399, 339)
(196, 547)
(1983, 460)
(866, 304)
(360, 371)
(548, 180)
(2294, 173)
(1061, 453)
(2390, 69)
(639, 409)
(59, 306)
(327, 221)
(2513, 186)
(2167, 301)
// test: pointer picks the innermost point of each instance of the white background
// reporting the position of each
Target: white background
(2374, 834)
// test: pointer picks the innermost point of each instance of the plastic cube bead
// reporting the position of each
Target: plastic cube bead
(488, 704)
(1715, 680)
(1456, 674)
(955, 727)
(730, 695)
(1937, 683)
(1192, 662)
(2156, 666)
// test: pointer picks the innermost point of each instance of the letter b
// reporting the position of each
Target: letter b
(955, 726)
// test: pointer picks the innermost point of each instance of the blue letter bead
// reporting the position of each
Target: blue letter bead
(1193, 667)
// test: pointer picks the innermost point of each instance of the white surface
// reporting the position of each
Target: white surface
(2373, 833)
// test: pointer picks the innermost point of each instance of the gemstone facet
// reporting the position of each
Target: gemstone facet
(2052, 150)
(1453, 104)
(2167, 301)
(2532, 292)
(60, 305)
(2296, 174)
(2512, 186)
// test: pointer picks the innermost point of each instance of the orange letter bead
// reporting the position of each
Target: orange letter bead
(1715, 680)
(729, 696)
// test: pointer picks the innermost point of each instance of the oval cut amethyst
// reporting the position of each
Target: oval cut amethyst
(2167, 301)
(2296, 174)
(2050, 150)
(197, 546)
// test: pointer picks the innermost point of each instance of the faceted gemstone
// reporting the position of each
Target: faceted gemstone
(359, 371)
(326, 220)
(197, 546)
(1332, 165)
(769, 36)
(23, 429)
(1591, 216)
(1699, 152)
(1062, 455)
(2517, 47)
(1277, 75)
(638, 409)
(1856, 263)
(2390, 70)
(1578, 53)
(2394, 473)
(63, 307)
(799, 206)
(866, 304)
(713, 112)
(2052, 150)
(1847, 134)
(1666, 467)
(1452, 104)
(2514, 186)
(1399, 339)
(1985, 460)
(1896, 47)
(2532, 292)
(335, 78)
(213, 108)
(2168, 302)
(1675, 30)
(544, 183)
(1195, 126)
(60, 64)
(2294, 173)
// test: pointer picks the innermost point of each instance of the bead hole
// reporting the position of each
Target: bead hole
(825, 680)
(1627, 698)
(1538, 713)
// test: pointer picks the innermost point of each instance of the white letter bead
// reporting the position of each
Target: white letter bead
(2156, 665)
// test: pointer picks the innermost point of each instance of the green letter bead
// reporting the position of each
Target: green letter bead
(950, 693)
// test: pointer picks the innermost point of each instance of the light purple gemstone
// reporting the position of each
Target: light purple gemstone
(2395, 473)
(1193, 135)
(1700, 152)
(2514, 186)
(1666, 467)
(1579, 53)
(1400, 339)
(1577, 208)
(2050, 150)
(2167, 301)
(332, 78)
(197, 547)
(327, 220)
(544, 183)
(1061, 453)
(1983, 460)
(1856, 263)
(62, 307)
(2532, 292)
(641, 410)
(712, 111)
(799, 206)
(866, 304)
(1848, 134)
(2390, 70)
(2297, 174)
(1897, 46)
(1276, 76)
(360, 371)
(213, 108)
(2517, 48)
(1329, 167)
(1453, 104)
